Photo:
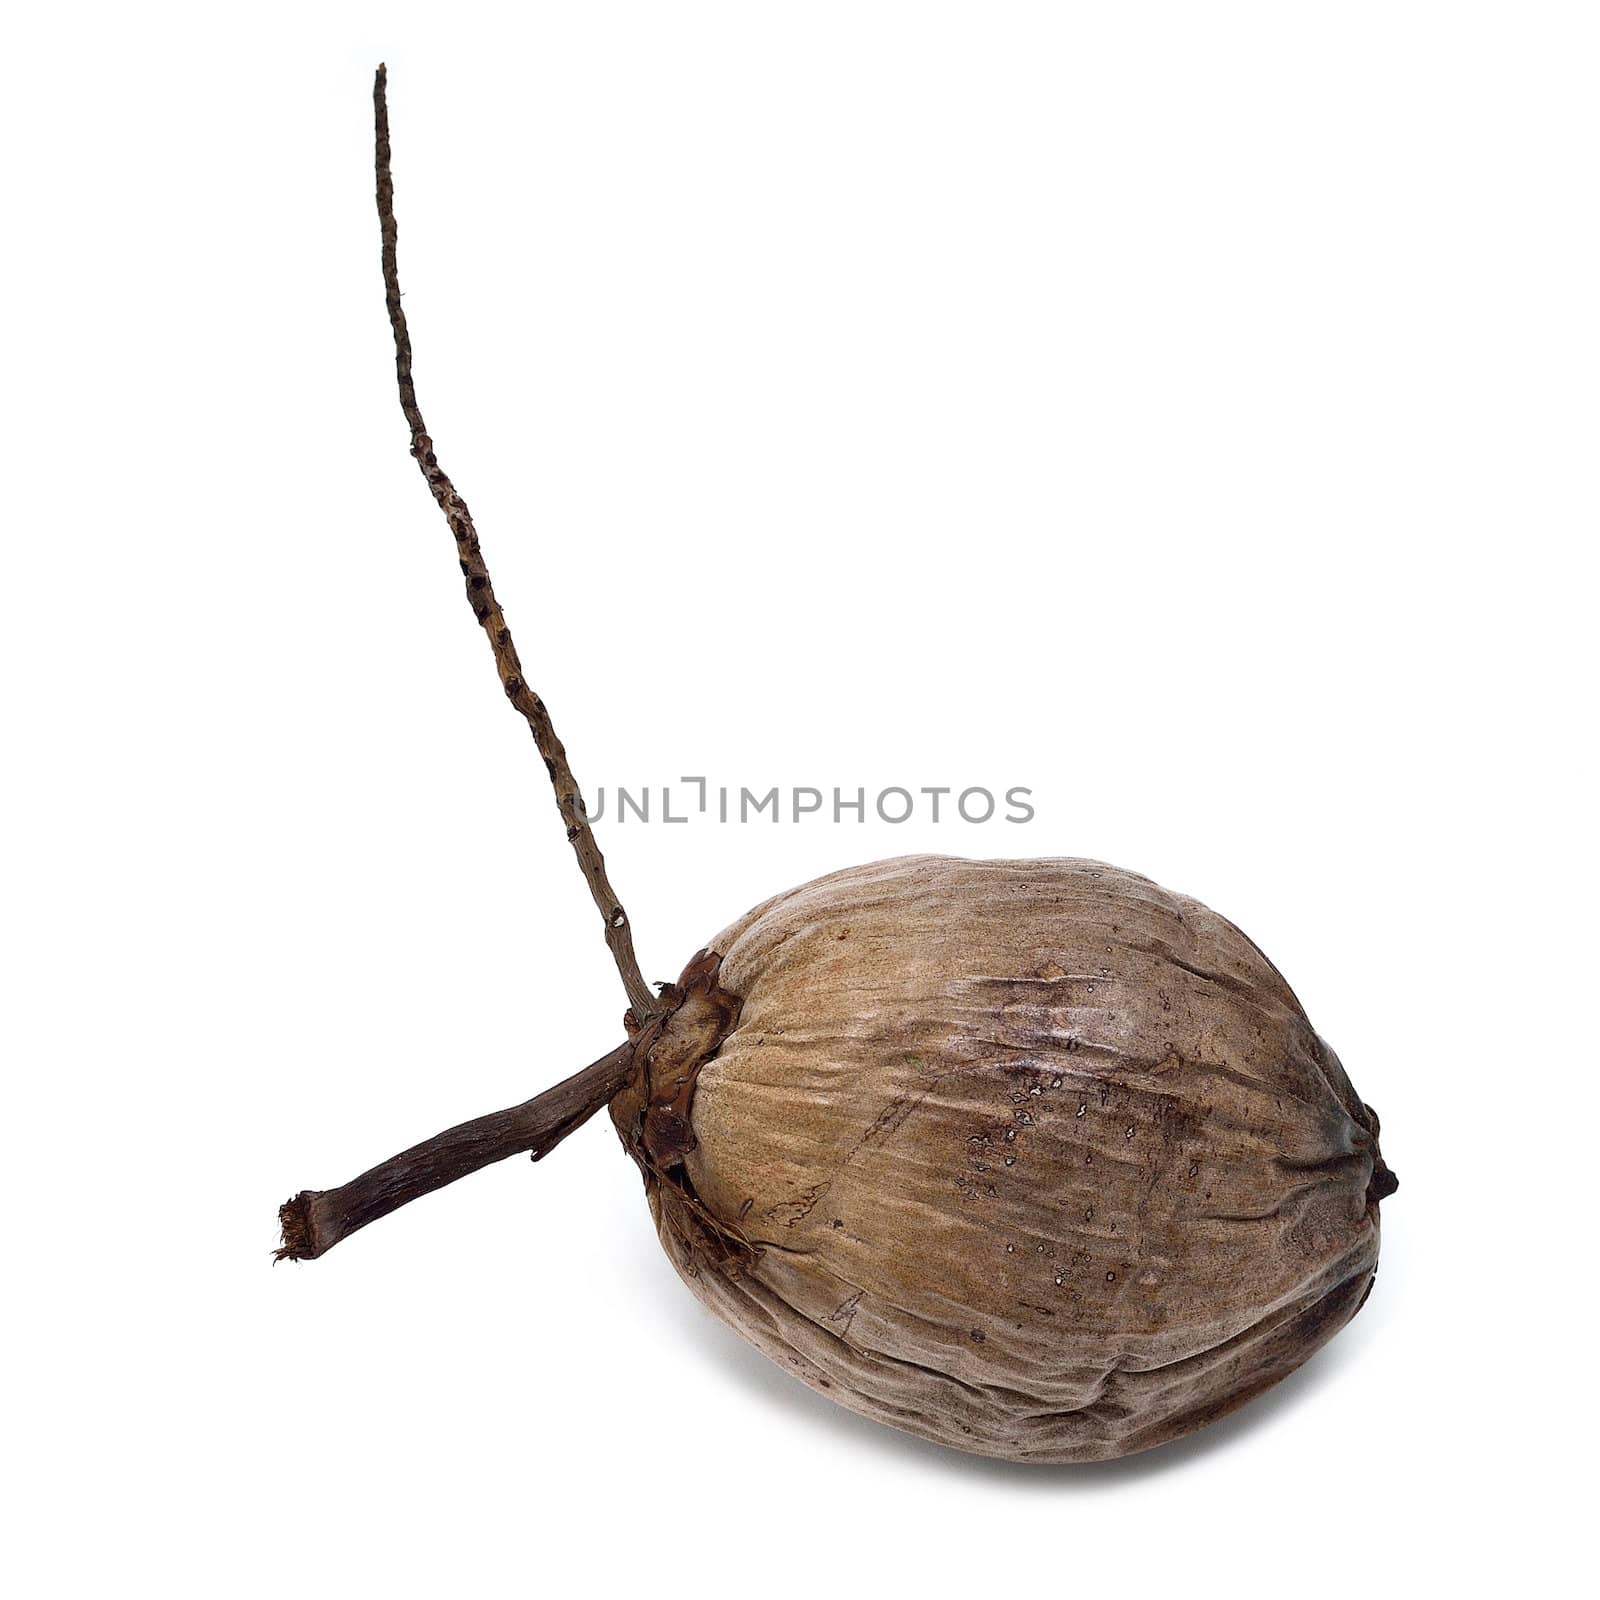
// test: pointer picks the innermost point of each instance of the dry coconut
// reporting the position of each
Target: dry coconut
(1031, 1158)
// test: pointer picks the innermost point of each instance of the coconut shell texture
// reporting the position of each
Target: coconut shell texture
(1031, 1158)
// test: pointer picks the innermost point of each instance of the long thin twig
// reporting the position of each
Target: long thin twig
(480, 595)
(315, 1220)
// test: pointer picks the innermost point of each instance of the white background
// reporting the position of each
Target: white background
(1186, 411)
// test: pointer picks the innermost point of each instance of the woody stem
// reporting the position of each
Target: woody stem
(315, 1220)
(481, 597)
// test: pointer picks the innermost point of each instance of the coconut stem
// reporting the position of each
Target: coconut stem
(480, 595)
(315, 1220)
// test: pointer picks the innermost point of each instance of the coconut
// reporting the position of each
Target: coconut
(1031, 1158)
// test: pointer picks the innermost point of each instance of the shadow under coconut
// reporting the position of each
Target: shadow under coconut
(770, 1385)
